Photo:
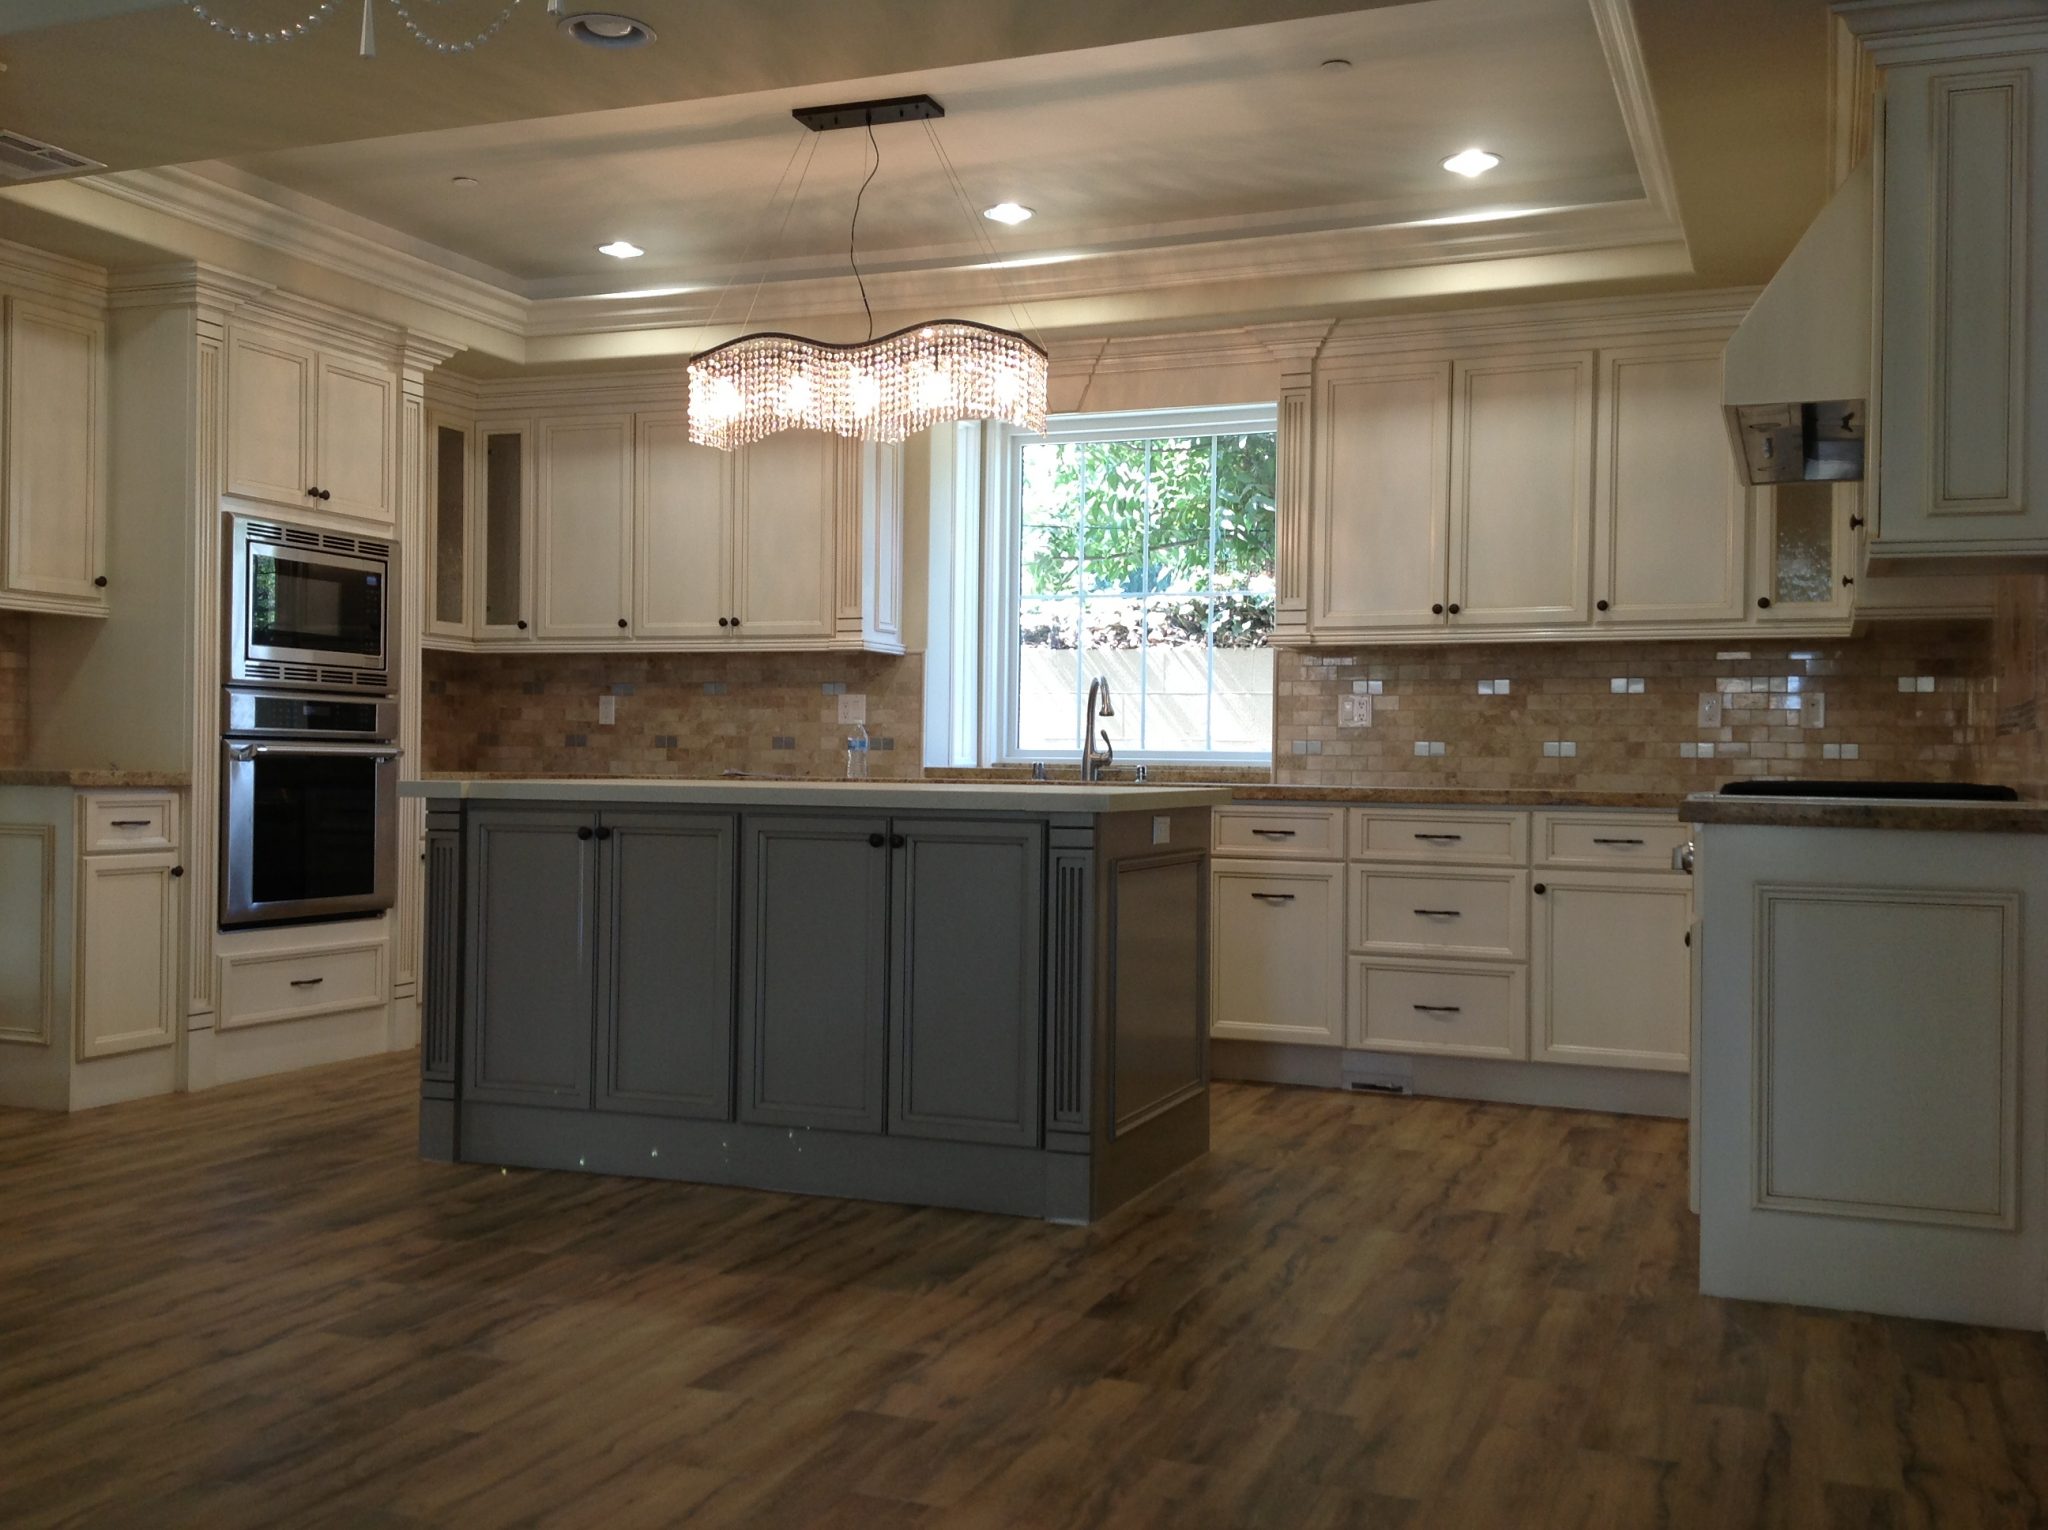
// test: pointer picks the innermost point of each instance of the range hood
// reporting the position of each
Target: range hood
(1797, 370)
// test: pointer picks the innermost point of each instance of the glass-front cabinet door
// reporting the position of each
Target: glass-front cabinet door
(448, 529)
(504, 530)
(1803, 549)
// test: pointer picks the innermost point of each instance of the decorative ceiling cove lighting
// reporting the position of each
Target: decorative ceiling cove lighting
(878, 389)
(1471, 162)
(621, 249)
(1007, 212)
(601, 29)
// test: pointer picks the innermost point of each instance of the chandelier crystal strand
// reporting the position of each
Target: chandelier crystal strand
(283, 34)
(879, 390)
(436, 45)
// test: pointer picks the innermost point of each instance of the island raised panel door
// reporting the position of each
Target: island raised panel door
(56, 425)
(1611, 972)
(966, 1009)
(787, 531)
(682, 571)
(1381, 500)
(584, 512)
(270, 419)
(1522, 490)
(355, 446)
(530, 993)
(814, 956)
(665, 1002)
(1670, 521)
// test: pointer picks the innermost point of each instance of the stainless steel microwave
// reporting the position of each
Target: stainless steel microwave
(309, 608)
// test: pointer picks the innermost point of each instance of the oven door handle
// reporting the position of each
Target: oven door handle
(367, 751)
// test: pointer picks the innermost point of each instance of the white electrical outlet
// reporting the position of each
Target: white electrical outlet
(1354, 711)
(1162, 829)
(853, 707)
(607, 710)
(1710, 710)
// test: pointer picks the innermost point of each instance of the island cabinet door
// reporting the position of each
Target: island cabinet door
(814, 954)
(530, 1000)
(665, 987)
(966, 1017)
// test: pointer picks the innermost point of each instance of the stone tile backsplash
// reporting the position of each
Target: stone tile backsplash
(2019, 751)
(1912, 699)
(13, 687)
(675, 714)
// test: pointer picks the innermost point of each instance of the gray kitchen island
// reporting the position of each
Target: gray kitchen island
(956, 994)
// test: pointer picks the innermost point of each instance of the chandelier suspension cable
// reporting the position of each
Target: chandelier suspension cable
(768, 255)
(978, 234)
(760, 224)
(853, 231)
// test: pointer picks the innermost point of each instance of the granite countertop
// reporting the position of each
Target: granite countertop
(1867, 813)
(1459, 796)
(967, 796)
(23, 775)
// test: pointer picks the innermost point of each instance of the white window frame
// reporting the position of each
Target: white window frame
(1002, 544)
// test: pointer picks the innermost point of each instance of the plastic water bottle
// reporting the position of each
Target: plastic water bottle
(857, 753)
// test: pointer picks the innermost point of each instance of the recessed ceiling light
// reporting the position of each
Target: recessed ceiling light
(1471, 162)
(621, 249)
(1007, 212)
(464, 182)
(607, 29)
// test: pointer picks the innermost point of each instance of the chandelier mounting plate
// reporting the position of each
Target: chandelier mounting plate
(860, 114)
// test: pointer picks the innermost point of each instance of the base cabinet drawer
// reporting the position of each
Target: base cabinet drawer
(1599, 842)
(1276, 950)
(1470, 1011)
(1309, 834)
(258, 987)
(1404, 834)
(114, 823)
(1411, 911)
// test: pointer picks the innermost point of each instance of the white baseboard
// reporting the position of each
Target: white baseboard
(1622, 1091)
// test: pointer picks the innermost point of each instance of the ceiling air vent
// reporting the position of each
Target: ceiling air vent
(30, 159)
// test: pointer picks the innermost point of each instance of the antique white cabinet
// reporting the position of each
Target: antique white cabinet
(1277, 945)
(583, 521)
(53, 556)
(1382, 500)
(309, 427)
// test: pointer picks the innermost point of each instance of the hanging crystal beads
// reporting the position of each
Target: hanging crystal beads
(877, 390)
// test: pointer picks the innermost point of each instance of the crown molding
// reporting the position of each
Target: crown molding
(1529, 324)
(324, 239)
(188, 284)
(1616, 26)
(1908, 31)
(637, 388)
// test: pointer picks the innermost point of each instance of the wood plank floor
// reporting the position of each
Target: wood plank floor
(256, 1307)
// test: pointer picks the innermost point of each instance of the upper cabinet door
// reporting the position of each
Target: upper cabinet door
(1381, 499)
(504, 530)
(787, 537)
(271, 383)
(1963, 459)
(585, 513)
(1522, 490)
(357, 458)
(56, 423)
(682, 571)
(447, 529)
(1670, 514)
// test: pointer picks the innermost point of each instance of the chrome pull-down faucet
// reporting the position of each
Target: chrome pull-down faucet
(1094, 762)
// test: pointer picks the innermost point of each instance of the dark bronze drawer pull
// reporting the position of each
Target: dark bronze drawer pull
(1274, 897)
(129, 823)
(308, 982)
(1599, 841)
(1441, 913)
(1446, 838)
(1441, 1009)
(1274, 833)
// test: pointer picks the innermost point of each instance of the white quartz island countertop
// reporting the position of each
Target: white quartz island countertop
(895, 796)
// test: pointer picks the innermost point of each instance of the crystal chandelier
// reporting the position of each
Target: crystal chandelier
(600, 28)
(880, 389)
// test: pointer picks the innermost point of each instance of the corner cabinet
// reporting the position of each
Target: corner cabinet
(310, 428)
(1961, 442)
(53, 501)
(574, 530)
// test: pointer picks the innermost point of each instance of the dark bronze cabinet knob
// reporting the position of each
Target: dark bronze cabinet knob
(1599, 605)
(725, 621)
(177, 871)
(1763, 602)
(878, 840)
(1436, 610)
(622, 621)
(1454, 608)
(604, 833)
(522, 624)
(100, 583)
(897, 841)
(584, 832)
(1540, 889)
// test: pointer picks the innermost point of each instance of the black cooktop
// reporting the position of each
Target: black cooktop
(1908, 791)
